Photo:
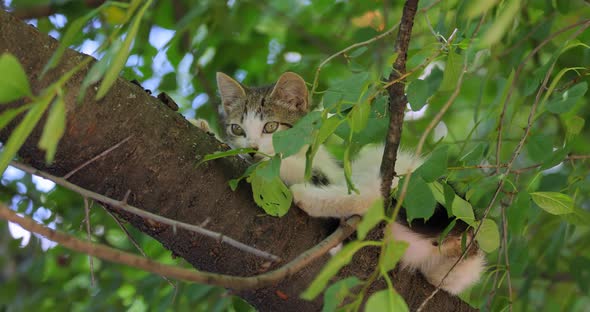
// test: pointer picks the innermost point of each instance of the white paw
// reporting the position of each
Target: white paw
(201, 124)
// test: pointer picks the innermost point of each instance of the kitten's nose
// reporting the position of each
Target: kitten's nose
(253, 153)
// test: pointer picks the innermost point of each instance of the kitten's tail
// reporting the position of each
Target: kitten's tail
(434, 261)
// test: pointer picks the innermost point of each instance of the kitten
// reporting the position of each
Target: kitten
(252, 115)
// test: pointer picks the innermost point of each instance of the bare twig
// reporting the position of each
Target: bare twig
(234, 282)
(397, 102)
(95, 158)
(128, 208)
(90, 259)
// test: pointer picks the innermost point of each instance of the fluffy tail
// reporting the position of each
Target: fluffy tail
(435, 261)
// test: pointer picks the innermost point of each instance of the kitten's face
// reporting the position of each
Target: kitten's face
(253, 115)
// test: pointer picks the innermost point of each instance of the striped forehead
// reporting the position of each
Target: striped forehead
(252, 123)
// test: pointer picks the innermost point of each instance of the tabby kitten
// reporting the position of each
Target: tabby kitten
(252, 115)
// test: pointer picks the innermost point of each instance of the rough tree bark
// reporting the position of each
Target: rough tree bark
(157, 167)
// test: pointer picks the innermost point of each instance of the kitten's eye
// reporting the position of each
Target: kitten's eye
(271, 127)
(237, 130)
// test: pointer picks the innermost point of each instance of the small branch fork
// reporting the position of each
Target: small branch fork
(397, 102)
(228, 281)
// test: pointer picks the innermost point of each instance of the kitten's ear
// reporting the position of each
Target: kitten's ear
(291, 89)
(229, 89)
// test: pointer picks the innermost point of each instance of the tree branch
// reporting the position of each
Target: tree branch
(122, 204)
(397, 102)
(228, 281)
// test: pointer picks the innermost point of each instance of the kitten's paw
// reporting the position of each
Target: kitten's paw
(201, 124)
(464, 275)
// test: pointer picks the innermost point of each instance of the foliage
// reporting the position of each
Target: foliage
(514, 140)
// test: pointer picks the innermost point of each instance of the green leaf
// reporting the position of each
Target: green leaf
(539, 148)
(488, 237)
(269, 191)
(339, 260)
(13, 80)
(358, 52)
(232, 152)
(386, 300)
(22, 131)
(518, 212)
(392, 253)
(9, 114)
(435, 166)
(73, 32)
(573, 126)
(418, 94)
(337, 292)
(553, 202)
(373, 216)
(326, 130)
(453, 69)
(579, 217)
(555, 158)
(359, 116)
(233, 183)
(97, 70)
(291, 141)
(419, 201)
(475, 155)
(501, 24)
(271, 168)
(564, 102)
(476, 8)
(121, 57)
(463, 210)
(54, 129)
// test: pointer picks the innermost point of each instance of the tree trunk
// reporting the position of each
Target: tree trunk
(157, 167)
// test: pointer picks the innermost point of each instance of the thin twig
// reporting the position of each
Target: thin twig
(139, 212)
(110, 149)
(90, 259)
(228, 281)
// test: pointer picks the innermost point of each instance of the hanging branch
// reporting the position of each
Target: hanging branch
(397, 102)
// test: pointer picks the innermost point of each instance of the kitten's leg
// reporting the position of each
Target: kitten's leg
(333, 200)
(435, 261)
